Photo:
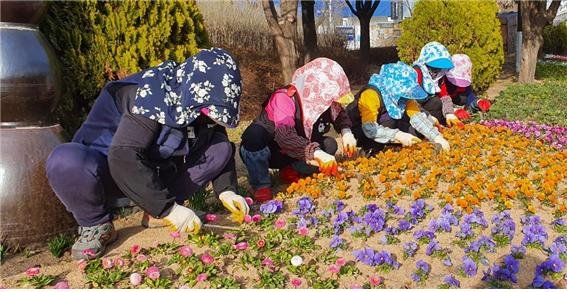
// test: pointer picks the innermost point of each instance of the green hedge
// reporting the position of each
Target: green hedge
(464, 27)
(555, 39)
(101, 41)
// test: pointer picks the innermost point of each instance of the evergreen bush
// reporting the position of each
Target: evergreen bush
(464, 27)
(555, 39)
(101, 41)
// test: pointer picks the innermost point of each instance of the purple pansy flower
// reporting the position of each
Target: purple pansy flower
(469, 266)
(271, 207)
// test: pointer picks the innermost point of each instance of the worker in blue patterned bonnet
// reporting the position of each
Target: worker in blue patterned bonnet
(156, 137)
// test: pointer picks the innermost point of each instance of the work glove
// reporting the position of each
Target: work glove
(326, 162)
(483, 105)
(183, 219)
(235, 204)
(462, 114)
(435, 122)
(349, 142)
(406, 139)
(441, 141)
(452, 121)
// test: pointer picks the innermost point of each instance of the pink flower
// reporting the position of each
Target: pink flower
(184, 287)
(82, 264)
(280, 223)
(175, 234)
(107, 263)
(153, 272)
(247, 218)
(340, 262)
(303, 231)
(155, 243)
(185, 251)
(229, 236)
(202, 277)
(241, 245)
(267, 262)
(89, 252)
(141, 258)
(257, 218)
(355, 286)
(207, 259)
(296, 282)
(334, 269)
(249, 201)
(135, 279)
(135, 249)
(33, 271)
(211, 217)
(375, 280)
(118, 262)
(261, 243)
(61, 285)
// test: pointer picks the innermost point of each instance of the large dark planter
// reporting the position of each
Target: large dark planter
(29, 85)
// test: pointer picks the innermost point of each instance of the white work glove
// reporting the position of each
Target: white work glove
(183, 219)
(236, 204)
(441, 141)
(452, 121)
(406, 139)
(349, 142)
(326, 162)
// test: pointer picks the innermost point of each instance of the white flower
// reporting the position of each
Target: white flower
(139, 110)
(149, 73)
(296, 261)
(143, 91)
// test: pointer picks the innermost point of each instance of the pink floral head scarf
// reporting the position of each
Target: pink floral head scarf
(320, 84)
(461, 74)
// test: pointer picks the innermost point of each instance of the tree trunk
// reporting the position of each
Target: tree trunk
(535, 16)
(364, 39)
(284, 30)
(309, 29)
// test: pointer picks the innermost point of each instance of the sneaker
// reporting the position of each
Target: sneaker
(93, 240)
(289, 175)
(263, 195)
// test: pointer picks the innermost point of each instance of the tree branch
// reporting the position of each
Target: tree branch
(374, 6)
(351, 8)
(272, 17)
(551, 12)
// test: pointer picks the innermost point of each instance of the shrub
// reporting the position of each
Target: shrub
(551, 70)
(101, 41)
(555, 39)
(466, 27)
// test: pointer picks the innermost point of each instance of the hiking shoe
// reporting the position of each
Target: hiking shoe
(93, 240)
(263, 195)
(289, 175)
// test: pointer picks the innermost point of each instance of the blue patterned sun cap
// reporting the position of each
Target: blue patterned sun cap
(435, 55)
(397, 83)
(176, 94)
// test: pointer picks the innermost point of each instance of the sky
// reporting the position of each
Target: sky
(382, 10)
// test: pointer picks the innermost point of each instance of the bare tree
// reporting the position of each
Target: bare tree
(284, 30)
(364, 11)
(535, 16)
(309, 29)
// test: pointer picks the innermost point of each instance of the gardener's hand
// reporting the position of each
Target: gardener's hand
(326, 162)
(441, 141)
(462, 114)
(484, 105)
(452, 121)
(235, 204)
(349, 142)
(183, 219)
(406, 139)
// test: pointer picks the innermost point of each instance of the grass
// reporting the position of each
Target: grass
(544, 102)
(59, 244)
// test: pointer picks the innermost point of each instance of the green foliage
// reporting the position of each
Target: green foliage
(551, 71)
(101, 41)
(544, 103)
(464, 27)
(555, 39)
(37, 281)
(59, 244)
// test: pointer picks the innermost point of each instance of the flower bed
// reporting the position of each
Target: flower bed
(489, 213)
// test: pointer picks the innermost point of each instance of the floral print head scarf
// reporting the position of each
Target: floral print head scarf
(435, 55)
(461, 74)
(176, 94)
